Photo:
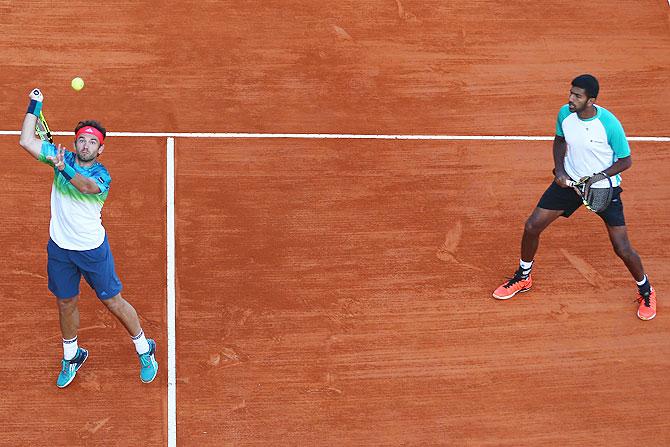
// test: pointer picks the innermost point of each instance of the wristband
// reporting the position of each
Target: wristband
(68, 172)
(35, 107)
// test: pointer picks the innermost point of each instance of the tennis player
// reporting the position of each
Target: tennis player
(589, 139)
(78, 242)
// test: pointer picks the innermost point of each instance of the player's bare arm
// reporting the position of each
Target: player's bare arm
(619, 166)
(28, 140)
(562, 178)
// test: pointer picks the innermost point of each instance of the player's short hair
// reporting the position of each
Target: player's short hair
(589, 83)
(92, 123)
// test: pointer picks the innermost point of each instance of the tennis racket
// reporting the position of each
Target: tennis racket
(42, 129)
(595, 199)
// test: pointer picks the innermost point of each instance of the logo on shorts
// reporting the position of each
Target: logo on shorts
(103, 293)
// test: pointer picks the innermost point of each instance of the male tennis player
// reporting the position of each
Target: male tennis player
(78, 242)
(589, 139)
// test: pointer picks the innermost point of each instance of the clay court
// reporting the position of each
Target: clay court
(311, 205)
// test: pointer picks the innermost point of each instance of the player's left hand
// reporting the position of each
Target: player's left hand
(59, 159)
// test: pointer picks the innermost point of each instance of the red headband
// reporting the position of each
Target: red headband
(91, 131)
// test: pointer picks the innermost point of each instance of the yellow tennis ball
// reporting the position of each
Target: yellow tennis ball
(77, 84)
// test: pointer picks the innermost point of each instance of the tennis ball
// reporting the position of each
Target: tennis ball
(77, 84)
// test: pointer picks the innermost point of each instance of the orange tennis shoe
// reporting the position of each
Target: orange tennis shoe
(647, 308)
(516, 284)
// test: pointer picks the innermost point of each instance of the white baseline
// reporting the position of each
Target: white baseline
(331, 136)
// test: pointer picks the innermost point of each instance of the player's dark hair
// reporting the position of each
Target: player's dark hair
(92, 123)
(589, 83)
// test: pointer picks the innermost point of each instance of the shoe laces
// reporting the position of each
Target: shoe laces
(518, 276)
(644, 298)
(145, 359)
(65, 365)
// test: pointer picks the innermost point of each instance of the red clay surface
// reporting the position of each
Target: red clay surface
(339, 292)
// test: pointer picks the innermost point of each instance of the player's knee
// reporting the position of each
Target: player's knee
(532, 227)
(67, 304)
(114, 302)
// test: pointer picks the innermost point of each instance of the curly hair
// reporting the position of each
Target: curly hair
(589, 83)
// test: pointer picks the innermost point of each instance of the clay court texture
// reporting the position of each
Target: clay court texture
(311, 206)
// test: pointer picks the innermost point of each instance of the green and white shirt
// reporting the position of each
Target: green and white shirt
(76, 222)
(593, 144)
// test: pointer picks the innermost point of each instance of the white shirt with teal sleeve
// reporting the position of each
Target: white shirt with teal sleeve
(593, 144)
(76, 222)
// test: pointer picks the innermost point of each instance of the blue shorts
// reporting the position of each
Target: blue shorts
(567, 200)
(65, 268)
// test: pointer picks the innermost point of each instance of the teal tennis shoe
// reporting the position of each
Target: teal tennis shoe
(148, 363)
(69, 368)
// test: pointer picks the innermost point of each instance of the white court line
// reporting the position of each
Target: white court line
(328, 136)
(171, 300)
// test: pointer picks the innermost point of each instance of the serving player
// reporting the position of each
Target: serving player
(78, 244)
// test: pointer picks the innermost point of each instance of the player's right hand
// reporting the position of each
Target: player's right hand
(563, 181)
(36, 95)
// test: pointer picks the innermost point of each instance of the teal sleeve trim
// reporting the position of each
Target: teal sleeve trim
(562, 115)
(616, 137)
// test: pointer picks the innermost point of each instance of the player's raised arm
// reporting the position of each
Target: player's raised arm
(28, 140)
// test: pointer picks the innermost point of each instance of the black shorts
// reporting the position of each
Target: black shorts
(567, 200)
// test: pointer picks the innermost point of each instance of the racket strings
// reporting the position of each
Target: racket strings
(597, 199)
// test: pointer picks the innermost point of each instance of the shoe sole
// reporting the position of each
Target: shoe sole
(75, 372)
(645, 319)
(526, 289)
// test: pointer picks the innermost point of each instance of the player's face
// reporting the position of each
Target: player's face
(88, 147)
(578, 100)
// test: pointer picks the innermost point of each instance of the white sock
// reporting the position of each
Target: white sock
(70, 348)
(525, 266)
(141, 343)
(643, 281)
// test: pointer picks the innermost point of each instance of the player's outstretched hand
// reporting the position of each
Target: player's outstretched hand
(58, 159)
(36, 95)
